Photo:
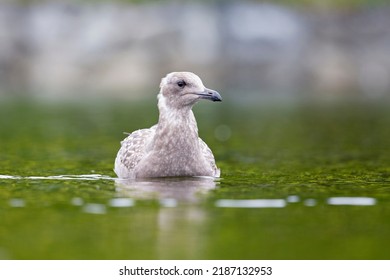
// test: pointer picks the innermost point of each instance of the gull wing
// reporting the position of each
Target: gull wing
(133, 148)
(208, 155)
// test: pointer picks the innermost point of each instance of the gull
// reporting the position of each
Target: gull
(172, 147)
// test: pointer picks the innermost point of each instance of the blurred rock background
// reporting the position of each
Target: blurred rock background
(123, 48)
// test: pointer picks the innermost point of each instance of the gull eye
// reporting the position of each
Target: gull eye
(181, 84)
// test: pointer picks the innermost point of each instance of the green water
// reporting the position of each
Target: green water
(301, 154)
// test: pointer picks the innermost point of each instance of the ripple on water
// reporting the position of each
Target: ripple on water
(17, 202)
(310, 202)
(251, 203)
(168, 202)
(94, 208)
(59, 177)
(358, 201)
(293, 199)
(77, 201)
(121, 202)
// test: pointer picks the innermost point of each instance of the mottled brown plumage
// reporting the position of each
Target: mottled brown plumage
(172, 147)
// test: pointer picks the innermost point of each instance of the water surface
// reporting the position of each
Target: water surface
(299, 181)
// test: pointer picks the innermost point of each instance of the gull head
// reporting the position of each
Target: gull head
(183, 89)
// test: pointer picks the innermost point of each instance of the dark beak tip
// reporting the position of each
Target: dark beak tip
(211, 95)
(216, 97)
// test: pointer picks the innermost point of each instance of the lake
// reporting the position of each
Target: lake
(299, 180)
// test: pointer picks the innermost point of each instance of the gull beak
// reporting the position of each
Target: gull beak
(210, 94)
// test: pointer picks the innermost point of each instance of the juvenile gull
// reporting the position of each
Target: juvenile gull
(172, 147)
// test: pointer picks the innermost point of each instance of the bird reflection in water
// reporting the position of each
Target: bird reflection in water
(168, 190)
